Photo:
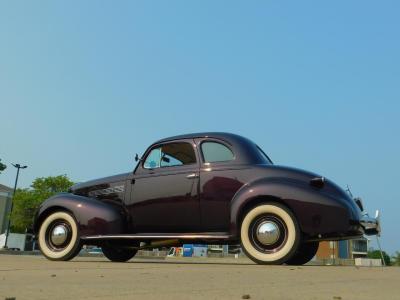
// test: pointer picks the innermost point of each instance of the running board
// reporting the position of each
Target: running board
(158, 236)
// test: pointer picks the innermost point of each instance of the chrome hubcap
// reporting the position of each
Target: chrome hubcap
(59, 235)
(267, 232)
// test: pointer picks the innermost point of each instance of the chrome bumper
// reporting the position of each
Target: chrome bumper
(371, 226)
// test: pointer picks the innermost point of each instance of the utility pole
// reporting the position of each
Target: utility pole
(18, 166)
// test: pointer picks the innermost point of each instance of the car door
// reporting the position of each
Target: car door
(164, 190)
(219, 181)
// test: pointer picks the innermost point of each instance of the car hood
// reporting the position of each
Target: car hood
(84, 187)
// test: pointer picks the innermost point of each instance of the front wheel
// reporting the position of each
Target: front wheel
(118, 253)
(270, 234)
(59, 236)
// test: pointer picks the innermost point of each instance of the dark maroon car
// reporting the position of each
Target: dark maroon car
(216, 188)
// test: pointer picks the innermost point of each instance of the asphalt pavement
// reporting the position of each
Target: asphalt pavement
(34, 277)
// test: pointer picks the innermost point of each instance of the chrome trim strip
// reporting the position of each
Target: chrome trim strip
(219, 236)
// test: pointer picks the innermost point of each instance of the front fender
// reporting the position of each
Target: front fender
(93, 217)
(316, 212)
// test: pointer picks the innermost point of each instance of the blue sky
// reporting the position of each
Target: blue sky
(86, 85)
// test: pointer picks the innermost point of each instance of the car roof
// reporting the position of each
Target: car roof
(246, 151)
(226, 136)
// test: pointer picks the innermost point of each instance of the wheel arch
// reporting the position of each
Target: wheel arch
(93, 217)
(258, 200)
(45, 213)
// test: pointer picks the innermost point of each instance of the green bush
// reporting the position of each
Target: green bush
(377, 254)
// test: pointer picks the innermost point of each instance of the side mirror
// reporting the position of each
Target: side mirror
(137, 157)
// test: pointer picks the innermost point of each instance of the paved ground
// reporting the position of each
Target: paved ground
(33, 277)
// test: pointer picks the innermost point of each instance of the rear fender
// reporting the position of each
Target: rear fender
(93, 217)
(316, 213)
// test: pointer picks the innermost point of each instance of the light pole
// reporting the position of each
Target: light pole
(18, 166)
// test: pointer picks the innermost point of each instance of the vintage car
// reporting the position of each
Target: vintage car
(208, 188)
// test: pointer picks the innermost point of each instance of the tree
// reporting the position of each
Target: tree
(2, 166)
(48, 186)
(396, 259)
(377, 254)
(27, 201)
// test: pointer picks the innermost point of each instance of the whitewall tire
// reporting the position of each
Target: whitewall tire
(270, 234)
(59, 236)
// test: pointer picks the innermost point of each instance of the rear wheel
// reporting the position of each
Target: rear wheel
(270, 234)
(59, 236)
(304, 254)
(118, 253)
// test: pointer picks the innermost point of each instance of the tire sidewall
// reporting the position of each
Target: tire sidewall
(292, 240)
(74, 245)
(304, 254)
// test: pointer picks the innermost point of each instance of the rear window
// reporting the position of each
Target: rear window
(216, 152)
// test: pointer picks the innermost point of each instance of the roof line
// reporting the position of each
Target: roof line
(221, 135)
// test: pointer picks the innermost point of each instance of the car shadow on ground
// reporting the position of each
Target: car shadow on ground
(161, 261)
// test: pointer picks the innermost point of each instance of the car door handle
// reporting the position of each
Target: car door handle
(192, 176)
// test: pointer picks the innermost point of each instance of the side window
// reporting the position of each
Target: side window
(153, 159)
(170, 155)
(216, 152)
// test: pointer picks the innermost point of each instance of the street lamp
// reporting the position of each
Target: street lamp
(18, 166)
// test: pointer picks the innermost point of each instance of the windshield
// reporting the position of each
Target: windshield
(265, 156)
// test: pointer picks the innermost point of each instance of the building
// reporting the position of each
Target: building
(355, 248)
(5, 206)
(348, 249)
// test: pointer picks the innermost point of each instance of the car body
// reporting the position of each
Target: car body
(199, 188)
